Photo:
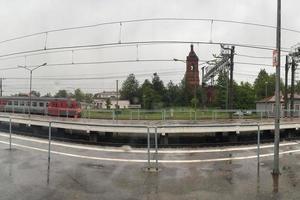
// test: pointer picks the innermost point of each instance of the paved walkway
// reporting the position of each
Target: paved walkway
(25, 174)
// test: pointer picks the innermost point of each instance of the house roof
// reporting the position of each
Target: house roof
(271, 99)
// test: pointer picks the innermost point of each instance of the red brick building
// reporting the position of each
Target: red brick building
(192, 71)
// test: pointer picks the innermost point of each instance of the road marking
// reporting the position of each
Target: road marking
(120, 150)
(145, 161)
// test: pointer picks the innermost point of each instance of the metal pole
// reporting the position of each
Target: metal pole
(227, 93)
(292, 87)
(286, 85)
(277, 92)
(117, 90)
(49, 142)
(29, 112)
(156, 151)
(258, 145)
(148, 148)
(230, 99)
(266, 95)
(9, 133)
(1, 89)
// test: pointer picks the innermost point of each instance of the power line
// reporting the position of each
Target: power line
(68, 48)
(148, 19)
(132, 61)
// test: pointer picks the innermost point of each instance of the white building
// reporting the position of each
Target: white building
(101, 103)
(106, 95)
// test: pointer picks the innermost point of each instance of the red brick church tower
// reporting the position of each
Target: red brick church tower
(192, 71)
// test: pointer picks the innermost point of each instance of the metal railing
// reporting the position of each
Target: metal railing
(144, 129)
(167, 114)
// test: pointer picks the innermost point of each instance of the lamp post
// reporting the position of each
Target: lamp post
(277, 93)
(31, 69)
(266, 95)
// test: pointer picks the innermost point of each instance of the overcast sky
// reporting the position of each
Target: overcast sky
(19, 17)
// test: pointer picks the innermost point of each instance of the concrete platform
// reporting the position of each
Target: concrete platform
(162, 127)
(223, 173)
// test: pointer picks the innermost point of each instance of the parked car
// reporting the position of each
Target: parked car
(238, 113)
(247, 112)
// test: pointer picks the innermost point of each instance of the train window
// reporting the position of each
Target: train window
(41, 104)
(16, 103)
(47, 104)
(22, 103)
(9, 103)
(34, 104)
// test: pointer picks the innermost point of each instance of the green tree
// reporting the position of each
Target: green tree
(35, 93)
(88, 98)
(79, 95)
(222, 87)
(185, 94)
(194, 102)
(159, 92)
(61, 94)
(244, 97)
(158, 85)
(130, 89)
(108, 103)
(297, 87)
(48, 95)
(263, 81)
(172, 95)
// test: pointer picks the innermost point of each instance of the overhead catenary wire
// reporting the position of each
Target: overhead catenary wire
(69, 48)
(145, 20)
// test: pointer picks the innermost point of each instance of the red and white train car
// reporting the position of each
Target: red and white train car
(63, 107)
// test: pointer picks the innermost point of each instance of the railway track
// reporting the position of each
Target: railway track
(118, 141)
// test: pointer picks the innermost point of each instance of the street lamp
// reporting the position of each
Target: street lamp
(266, 95)
(31, 69)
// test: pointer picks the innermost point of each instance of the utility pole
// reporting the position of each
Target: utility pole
(227, 93)
(286, 85)
(117, 105)
(230, 99)
(117, 89)
(1, 87)
(266, 95)
(293, 86)
(277, 92)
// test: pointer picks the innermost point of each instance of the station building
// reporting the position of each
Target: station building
(268, 104)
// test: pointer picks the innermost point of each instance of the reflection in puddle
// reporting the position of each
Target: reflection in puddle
(48, 172)
(275, 183)
(258, 180)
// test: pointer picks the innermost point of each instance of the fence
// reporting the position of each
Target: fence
(148, 130)
(171, 114)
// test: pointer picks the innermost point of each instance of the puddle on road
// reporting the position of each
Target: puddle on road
(93, 166)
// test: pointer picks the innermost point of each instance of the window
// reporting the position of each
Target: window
(22, 103)
(41, 104)
(9, 103)
(16, 103)
(34, 104)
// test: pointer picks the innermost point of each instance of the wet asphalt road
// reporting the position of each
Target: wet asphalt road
(25, 173)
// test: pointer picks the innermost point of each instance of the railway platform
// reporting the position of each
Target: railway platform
(90, 172)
